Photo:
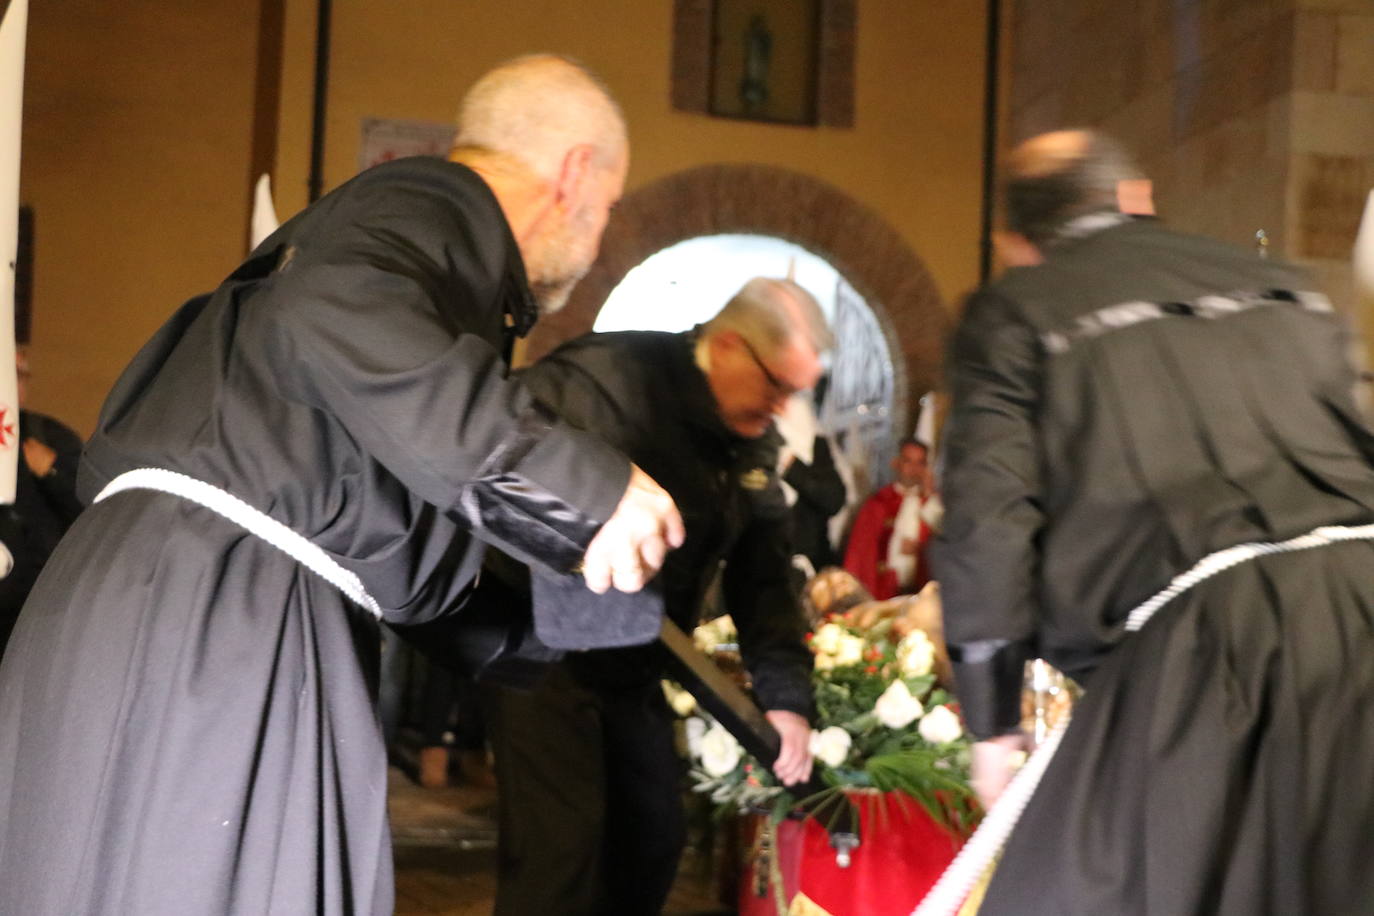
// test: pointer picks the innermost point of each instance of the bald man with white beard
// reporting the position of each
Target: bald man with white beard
(330, 439)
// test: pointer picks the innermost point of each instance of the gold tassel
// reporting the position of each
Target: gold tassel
(803, 905)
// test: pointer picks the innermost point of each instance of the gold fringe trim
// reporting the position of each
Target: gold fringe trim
(803, 905)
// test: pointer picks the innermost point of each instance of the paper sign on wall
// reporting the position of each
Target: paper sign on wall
(385, 139)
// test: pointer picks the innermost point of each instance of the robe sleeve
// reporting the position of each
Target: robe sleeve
(578, 395)
(986, 560)
(374, 333)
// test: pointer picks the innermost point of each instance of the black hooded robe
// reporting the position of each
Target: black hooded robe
(1137, 402)
(187, 718)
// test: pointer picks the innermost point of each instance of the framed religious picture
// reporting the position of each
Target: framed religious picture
(765, 59)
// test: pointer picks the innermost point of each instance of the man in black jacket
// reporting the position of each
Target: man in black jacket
(591, 818)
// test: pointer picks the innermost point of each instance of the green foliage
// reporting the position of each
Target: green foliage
(880, 758)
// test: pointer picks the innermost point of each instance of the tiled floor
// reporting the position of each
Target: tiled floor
(444, 842)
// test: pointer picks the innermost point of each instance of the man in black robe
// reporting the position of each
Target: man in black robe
(1128, 400)
(591, 814)
(187, 712)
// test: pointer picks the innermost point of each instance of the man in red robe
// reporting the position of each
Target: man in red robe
(887, 546)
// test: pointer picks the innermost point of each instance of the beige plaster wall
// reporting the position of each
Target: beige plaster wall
(914, 154)
(139, 120)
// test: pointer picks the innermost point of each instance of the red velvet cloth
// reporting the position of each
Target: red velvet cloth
(866, 554)
(902, 854)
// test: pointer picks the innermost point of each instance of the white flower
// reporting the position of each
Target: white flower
(916, 654)
(828, 637)
(824, 662)
(850, 651)
(704, 638)
(695, 728)
(897, 708)
(940, 725)
(683, 703)
(720, 752)
(831, 745)
(714, 633)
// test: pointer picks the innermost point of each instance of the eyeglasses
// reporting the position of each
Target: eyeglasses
(779, 388)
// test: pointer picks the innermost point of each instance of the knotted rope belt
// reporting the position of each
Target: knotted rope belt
(982, 848)
(258, 523)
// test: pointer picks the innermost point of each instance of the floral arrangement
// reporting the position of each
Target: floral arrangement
(883, 724)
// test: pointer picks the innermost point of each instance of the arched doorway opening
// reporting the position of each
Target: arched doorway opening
(686, 283)
(903, 314)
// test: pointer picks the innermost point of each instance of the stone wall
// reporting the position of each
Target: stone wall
(1330, 117)
(1248, 114)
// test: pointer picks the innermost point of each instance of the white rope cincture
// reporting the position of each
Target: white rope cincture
(258, 523)
(1223, 560)
(949, 893)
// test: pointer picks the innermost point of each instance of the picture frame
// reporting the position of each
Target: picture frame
(765, 60)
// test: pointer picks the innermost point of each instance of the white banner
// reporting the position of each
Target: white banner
(264, 219)
(385, 139)
(1364, 257)
(12, 33)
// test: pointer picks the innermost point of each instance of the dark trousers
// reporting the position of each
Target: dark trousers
(451, 703)
(591, 817)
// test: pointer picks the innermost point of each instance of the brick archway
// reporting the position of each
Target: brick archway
(751, 198)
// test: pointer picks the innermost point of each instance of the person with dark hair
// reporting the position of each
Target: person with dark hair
(888, 544)
(45, 503)
(1149, 423)
(591, 818)
(188, 718)
(1055, 196)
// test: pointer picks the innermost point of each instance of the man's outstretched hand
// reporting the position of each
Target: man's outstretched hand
(793, 765)
(994, 763)
(631, 546)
